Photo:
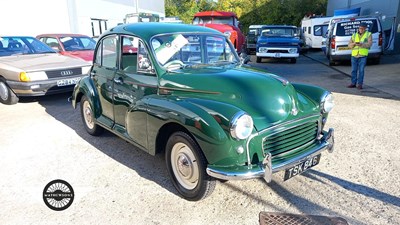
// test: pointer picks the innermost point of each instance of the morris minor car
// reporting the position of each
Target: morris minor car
(183, 91)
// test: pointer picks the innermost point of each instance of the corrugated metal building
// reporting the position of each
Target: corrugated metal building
(387, 10)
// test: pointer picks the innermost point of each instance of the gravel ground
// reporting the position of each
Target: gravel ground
(43, 139)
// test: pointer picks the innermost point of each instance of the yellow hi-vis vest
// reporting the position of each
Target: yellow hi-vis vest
(357, 50)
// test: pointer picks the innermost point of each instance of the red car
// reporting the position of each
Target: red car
(225, 22)
(75, 45)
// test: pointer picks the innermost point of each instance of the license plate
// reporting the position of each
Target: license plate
(277, 55)
(68, 81)
(301, 167)
(343, 48)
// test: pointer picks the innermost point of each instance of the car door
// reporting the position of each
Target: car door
(135, 80)
(102, 73)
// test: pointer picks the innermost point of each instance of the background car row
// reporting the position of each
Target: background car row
(29, 67)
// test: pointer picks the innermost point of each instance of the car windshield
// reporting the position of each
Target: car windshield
(73, 43)
(279, 31)
(22, 45)
(174, 51)
(213, 19)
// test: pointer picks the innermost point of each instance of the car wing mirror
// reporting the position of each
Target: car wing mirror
(244, 58)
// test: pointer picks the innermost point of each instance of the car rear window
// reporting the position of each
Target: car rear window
(349, 27)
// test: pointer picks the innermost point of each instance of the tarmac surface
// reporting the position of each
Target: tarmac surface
(384, 76)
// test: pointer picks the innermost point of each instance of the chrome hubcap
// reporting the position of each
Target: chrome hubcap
(184, 165)
(3, 91)
(87, 114)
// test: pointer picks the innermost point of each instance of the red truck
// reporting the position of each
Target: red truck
(225, 22)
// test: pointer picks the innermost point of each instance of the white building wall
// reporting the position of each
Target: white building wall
(33, 17)
(152, 6)
(25, 17)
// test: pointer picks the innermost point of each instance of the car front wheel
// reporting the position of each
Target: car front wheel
(88, 118)
(7, 96)
(186, 166)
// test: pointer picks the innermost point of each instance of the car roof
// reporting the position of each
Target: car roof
(150, 29)
(279, 26)
(256, 26)
(61, 35)
(215, 13)
(348, 19)
(8, 36)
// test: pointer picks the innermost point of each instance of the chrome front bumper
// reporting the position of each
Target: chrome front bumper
(266, 169)
(43, 87)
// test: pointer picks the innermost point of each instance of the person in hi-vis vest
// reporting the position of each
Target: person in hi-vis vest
(360, 43)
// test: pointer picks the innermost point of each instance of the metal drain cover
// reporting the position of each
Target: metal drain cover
(271, 218)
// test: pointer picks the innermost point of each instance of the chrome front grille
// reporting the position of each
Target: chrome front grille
(286, 140)
(273, 44)
(64, 72)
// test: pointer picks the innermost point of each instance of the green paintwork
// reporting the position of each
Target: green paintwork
(200, 101)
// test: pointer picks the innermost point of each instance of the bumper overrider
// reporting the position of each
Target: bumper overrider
(266, 169)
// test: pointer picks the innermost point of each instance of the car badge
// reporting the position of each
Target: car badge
(66, 72)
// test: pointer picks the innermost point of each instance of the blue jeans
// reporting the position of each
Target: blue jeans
(358, 65)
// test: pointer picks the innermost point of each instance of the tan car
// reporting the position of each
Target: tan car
(29, 67)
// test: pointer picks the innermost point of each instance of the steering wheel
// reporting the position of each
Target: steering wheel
(176, 61)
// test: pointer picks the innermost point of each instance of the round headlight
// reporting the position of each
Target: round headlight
(328, 103)
(241, 126)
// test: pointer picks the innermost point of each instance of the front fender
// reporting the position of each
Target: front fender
(86, 87)
(206, 120)
(314, 93)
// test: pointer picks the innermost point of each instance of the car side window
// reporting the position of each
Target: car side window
(52, 42)
(129, 50)
(106, 55)
(144, 64)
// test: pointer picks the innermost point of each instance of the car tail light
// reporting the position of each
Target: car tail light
(380, 39)
(333, 43)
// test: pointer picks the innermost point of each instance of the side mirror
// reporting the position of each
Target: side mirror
(244, 58)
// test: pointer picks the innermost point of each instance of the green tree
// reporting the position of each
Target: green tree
(289, 12)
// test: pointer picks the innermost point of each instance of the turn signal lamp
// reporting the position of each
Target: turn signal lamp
(24, 77)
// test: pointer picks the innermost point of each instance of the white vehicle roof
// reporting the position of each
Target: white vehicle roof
(256, 26)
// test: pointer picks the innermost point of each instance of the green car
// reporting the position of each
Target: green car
(183, 91)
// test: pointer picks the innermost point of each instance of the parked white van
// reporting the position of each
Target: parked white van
(340, 33)
(313, 28)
